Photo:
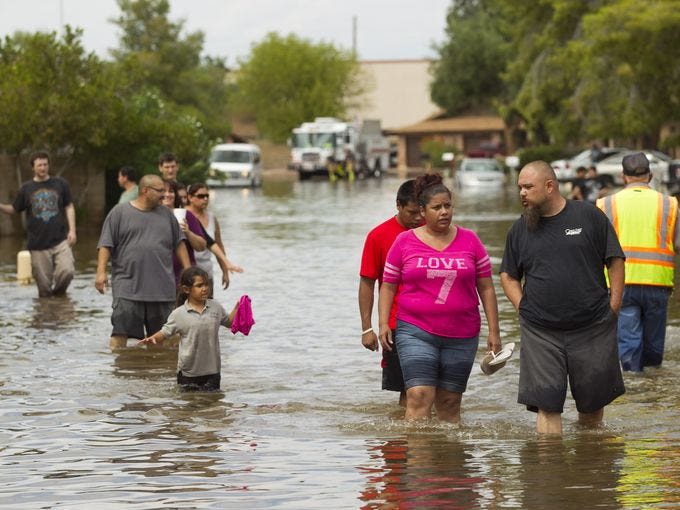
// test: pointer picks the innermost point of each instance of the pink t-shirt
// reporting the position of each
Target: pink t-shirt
(439, 288)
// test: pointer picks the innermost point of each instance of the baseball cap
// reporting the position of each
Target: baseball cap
(635, 164)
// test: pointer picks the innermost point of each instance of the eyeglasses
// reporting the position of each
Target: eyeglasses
(162, 190)
(202, 196)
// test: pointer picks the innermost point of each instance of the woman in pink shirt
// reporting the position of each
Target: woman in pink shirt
(444, 272)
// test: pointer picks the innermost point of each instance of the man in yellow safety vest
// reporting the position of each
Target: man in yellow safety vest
(646, 223)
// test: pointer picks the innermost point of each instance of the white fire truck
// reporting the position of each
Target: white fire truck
(328, 140)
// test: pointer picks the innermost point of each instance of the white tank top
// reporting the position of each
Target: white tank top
(204, 258)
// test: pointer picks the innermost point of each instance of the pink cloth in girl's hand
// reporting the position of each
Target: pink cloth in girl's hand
(243, 318)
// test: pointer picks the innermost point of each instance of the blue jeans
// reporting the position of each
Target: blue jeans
(432, 360)
(642, 326)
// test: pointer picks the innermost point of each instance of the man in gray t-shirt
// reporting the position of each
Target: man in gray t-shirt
(140, 238)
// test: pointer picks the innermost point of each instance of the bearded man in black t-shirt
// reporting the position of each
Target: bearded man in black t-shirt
(559, 249)
(50, 224)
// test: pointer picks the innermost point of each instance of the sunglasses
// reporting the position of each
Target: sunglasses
(202, 195)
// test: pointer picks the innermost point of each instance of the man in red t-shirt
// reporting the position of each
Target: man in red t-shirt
(378, 243)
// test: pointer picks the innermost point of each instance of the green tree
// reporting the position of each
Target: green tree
(629, 82)
(289, 80)
(56, 96)
(155, 51)
(467, 75)
(53, 94)
(543, 71)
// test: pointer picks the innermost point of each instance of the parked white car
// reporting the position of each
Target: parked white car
(480, 172)
(235, 164)
(611, 168)
(565, 169)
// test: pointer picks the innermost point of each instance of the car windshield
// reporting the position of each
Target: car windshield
(660, 155)
(481, 166)
(230, 156)
(307, 140)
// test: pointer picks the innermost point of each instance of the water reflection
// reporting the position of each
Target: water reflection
(181, 437)
(649, 471)
(57, 312)
(576, 473)
(137, 362)
(421, 471)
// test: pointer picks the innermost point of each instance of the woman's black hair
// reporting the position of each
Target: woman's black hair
(429, 185)
(186, 279)
(173, 186)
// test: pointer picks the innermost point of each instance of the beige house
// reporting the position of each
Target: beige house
(469, 134)
(398, 92)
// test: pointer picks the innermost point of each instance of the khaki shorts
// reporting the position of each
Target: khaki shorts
(586, 357)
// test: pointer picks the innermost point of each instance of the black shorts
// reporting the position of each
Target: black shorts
(139, 319)
(210, 382)
(587, 357)
(392, 377)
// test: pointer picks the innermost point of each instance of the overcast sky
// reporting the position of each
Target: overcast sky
(386, 29)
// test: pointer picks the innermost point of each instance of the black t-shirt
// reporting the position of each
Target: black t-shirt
(579, 182)
(562, 264)
(44, 203)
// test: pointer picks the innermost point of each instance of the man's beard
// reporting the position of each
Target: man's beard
(532, 217)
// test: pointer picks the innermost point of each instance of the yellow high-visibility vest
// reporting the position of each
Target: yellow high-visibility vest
(644, 220)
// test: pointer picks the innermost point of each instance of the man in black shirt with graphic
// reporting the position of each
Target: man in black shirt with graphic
(559, 248)
(50, 224)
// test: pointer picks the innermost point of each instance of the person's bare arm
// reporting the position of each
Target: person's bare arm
(218, 236)
(617, 277)
(197, 242)
(156, 338)
(366, 297)
(512, 289)
(385, 300)
(487, 296)
(71, 220)
(7, 208)
(100, 280)
(183, 255)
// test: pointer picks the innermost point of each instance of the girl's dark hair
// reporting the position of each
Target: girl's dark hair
(173, 186)
(186, 279)
(429, 185)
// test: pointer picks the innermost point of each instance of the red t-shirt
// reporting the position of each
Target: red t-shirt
(378, 243)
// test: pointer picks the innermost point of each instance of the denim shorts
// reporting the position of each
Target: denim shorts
(433, 360)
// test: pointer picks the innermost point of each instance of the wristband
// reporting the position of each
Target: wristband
(366, 331)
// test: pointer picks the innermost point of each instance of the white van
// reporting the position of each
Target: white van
(235, 164)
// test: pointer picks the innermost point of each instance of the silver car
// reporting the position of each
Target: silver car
(480, 172)
(565, 169)
(611, 168)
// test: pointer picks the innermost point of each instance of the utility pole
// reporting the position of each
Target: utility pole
(354, 36)
(61, 16)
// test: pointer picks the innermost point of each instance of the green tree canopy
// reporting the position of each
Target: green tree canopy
(155, 51)
(467, 75)
(571, 71)
(56, 96)
(287, 80)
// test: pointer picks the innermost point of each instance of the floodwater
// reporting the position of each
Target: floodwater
(301, 422)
